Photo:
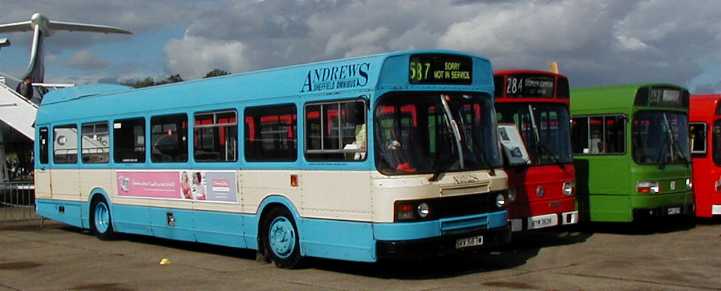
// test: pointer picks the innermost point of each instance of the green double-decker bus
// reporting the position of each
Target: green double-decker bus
(631, 152)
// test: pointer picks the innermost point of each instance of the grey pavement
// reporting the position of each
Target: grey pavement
(674, 256)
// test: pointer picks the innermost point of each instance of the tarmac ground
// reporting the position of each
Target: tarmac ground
(664, 255)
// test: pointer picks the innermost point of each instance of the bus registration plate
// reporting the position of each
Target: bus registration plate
(469, 242)
(674, 211)
(542, 221)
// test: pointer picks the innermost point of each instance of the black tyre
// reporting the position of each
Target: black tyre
(280, 238)
(101, 223)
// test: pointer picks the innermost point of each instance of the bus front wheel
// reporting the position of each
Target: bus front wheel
(100, 220)
(280, 238)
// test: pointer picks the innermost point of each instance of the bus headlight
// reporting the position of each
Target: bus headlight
(411, 210)
(647, 187)
(423, 210)
(500, 200)
(689, 183)
(568, 188)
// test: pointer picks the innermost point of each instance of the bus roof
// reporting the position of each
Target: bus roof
(525, 71)
(298, 81)
(619, 98)
(704, 107)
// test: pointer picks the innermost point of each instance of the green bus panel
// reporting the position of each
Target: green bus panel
(606, 183)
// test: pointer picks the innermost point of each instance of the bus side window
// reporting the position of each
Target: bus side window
(44, 145)
(129, 140)
(169, 138)
(270, 133)
(215, 137)
(716, 139)
(95, 143)
(336, 131)
(596, 144)
(614, 134)
(697, 138)
(579, 135)
(65, 144)
(599, 135)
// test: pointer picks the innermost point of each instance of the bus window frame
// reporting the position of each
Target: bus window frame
(716, 161)
(149, 130)
(44, 150)
(364, 100)
(77, 144)
(246, 131)
(705, 139)
(113, 147)
(81, 147)
(588, 133)
(235, 127)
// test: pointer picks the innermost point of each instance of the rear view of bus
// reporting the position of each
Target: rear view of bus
(632, 152)
(705, 138)
(536, 102)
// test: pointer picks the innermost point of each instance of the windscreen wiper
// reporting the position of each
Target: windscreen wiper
(556, 159)
(454, 129)
(539, 144)
(675, 147)
(661, 157)
(484, 155)
(437, 168)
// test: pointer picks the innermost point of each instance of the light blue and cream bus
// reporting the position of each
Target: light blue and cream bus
(357, 159)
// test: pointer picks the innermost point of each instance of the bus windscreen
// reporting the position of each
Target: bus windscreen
(660, 137)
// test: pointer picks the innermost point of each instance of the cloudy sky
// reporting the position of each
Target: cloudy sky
(595, 41)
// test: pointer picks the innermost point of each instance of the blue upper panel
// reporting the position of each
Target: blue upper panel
(323, 80)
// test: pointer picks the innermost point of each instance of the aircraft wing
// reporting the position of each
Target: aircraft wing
(72, 26)
(16, 27)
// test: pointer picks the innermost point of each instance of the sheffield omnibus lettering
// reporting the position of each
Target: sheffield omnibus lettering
(336, 77)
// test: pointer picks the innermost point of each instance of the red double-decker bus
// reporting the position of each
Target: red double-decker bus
(537, 103)
(705, 142)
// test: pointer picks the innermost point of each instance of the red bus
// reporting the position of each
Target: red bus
(705, 142)
(537, 103)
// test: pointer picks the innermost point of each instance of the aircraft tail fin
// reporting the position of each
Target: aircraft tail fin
(73, 26)
(36, 67)
(16, 27)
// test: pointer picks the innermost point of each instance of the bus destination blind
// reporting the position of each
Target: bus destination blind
(440, 69)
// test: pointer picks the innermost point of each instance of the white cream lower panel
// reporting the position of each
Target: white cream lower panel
(388, 189)
(65, 184)
(341, 195)
(257, 185)
(97, 178)
(42, 184)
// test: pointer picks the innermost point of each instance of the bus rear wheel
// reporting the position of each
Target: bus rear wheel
(101, 224)
(280, 238)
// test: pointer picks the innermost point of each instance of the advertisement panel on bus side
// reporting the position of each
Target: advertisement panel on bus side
(213, 186)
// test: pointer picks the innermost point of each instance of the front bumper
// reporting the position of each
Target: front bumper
(544, 221)
(443, 245)
(673, 210)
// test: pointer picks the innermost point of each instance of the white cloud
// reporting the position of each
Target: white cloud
(630, 43)
(365, 42)
(534, 26)
(86, 60)
(595, 42)
(192, 56)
